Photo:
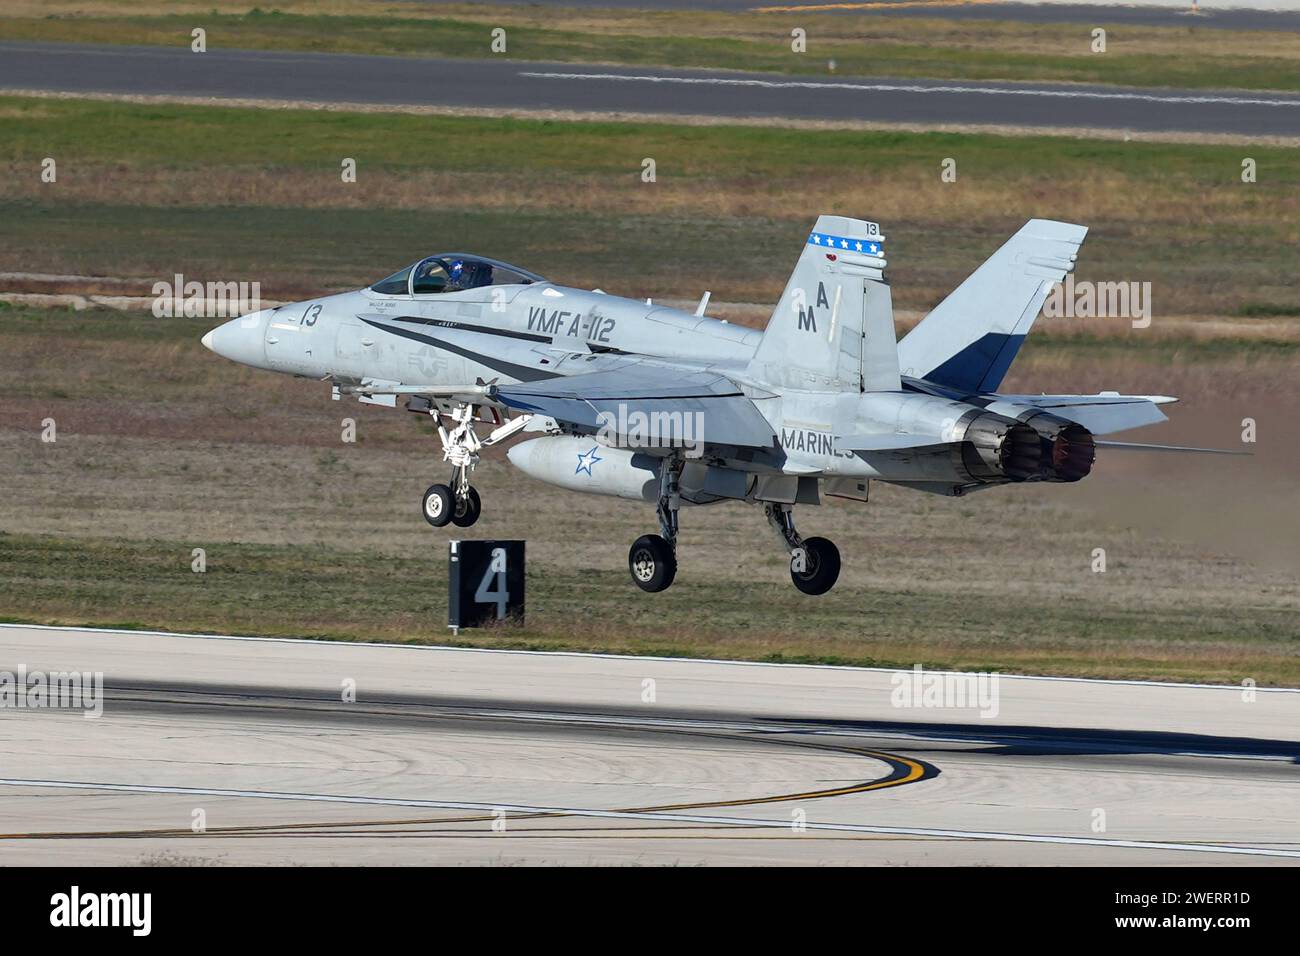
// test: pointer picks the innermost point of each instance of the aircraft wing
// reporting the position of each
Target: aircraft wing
(1100, 414)
(702, 406)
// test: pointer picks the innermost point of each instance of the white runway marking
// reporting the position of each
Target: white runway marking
(634, 815)
(912, 88)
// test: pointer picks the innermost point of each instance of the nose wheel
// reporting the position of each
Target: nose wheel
(467, 509)
(438, 505)
(442, 506)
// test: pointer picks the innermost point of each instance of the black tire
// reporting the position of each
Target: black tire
(822, 568)
(438, 505)
(466, 512)
(652, 563)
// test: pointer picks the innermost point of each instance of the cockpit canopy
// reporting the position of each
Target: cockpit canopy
(452, 272)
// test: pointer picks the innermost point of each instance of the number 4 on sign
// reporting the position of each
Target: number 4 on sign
(492, 589)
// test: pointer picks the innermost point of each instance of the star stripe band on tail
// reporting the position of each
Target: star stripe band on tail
(871, 247)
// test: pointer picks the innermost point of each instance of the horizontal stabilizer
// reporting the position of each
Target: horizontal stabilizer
(1143, 446)
(1100, 414)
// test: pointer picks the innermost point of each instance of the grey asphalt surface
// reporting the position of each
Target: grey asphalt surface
(579, 764)
(512, 84)
(1086, 13)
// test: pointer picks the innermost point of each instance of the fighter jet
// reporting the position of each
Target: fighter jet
(637, 400)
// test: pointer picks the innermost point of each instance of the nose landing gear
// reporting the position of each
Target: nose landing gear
(458, 503)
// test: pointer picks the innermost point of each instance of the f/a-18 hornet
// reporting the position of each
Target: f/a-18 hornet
(674, 408)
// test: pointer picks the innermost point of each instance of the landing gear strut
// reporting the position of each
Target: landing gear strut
(458, 503)
(814, 562)
(652, 560)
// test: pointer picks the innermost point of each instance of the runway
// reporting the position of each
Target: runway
(1214, 14)
(518, 85)
(240, 750)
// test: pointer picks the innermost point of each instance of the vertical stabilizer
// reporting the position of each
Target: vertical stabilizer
(970, 339)
(833, 327)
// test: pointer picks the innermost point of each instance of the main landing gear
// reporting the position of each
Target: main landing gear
(458, 503)
(652, 559)
(814, 562)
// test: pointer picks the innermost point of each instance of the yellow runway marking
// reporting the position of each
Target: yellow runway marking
(904, 770)
(915, 770)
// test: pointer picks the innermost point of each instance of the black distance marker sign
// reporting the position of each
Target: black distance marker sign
(486, 583)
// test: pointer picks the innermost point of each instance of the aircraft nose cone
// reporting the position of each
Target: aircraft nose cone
(240, 340)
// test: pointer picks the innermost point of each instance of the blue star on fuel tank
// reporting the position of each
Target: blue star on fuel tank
(586, 460)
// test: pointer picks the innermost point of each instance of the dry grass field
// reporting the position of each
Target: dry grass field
(229, 193)
(162, 447)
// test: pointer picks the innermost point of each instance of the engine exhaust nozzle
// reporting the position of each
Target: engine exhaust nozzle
(995, 448)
